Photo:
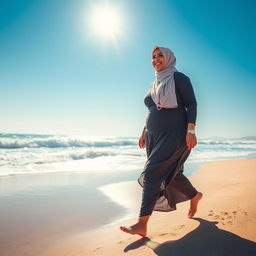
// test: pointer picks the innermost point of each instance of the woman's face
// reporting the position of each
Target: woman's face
(158, 60)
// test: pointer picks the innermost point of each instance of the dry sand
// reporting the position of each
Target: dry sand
(225, 223)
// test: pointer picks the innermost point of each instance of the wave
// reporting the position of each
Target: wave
(226, 142)
(16, 141)
(38, 153)
(63, 142)
(22, 158)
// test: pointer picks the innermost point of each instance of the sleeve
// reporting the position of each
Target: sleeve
(186, 92)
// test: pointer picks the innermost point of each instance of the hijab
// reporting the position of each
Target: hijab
(163, 88)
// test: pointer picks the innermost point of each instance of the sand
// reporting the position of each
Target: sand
(225, 223)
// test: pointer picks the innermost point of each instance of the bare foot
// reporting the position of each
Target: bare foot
(193, 204)
(136, 229)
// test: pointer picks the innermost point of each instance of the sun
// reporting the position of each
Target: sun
(105, 21)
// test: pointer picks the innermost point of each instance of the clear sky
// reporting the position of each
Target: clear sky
(57, 76)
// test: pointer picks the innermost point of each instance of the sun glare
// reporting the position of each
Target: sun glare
(105, 21)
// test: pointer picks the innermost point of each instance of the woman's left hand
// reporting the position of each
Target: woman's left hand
(191, 140)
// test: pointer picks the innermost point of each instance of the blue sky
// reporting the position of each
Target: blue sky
(57, 77)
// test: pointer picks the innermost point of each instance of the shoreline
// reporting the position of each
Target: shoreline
(132, 189)
(197, 165)
(223, 194)
(226, 216)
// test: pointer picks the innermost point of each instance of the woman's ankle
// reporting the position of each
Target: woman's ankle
(144, 219)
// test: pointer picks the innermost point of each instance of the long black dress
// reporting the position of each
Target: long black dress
(163, 182)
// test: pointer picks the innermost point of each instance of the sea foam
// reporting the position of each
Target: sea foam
(28, 153)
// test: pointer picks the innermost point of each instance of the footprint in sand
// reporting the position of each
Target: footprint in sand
(216, 217)
(180, 227)
(165, 234)
(229, 218)
(226, 216)
(97, 249)
(223, 216)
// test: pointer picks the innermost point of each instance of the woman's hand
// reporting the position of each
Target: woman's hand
(142, 141)
(191, 140)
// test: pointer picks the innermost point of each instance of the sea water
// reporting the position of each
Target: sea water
(38, 153)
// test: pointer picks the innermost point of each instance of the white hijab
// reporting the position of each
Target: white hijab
(163, 88)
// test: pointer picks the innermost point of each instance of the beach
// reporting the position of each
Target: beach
(71, 220)
(98, 100)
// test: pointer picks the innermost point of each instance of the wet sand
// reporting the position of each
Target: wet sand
(225, 223)
(40, 207)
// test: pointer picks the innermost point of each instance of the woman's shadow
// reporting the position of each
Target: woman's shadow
(206, 240)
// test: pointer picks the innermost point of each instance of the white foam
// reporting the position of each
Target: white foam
(64, 141)
(48, 153)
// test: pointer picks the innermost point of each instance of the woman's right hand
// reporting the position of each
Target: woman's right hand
(142, 141)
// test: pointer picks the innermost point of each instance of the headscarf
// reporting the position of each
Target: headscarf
(163, 88)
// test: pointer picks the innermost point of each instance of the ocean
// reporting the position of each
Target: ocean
(34, 153)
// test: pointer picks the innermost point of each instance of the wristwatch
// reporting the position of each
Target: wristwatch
(191, 131)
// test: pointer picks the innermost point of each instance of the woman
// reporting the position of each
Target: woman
(169, 136)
